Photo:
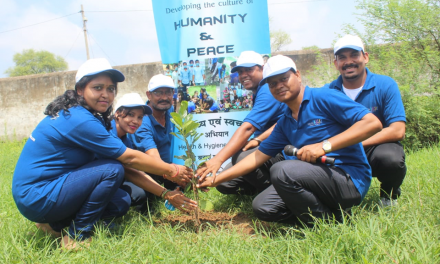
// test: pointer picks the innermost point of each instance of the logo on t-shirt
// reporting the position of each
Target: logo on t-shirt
(32, 138)
(373, 109)
(315, 122)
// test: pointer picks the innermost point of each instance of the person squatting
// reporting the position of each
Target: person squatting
(89, 159)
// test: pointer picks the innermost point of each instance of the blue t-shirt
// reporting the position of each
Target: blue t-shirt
(151, 134)
(266, 110)
(214, 107)
(55, 148)
(198, 74)
(124, 138)
(239, 92)
(381, 95)
(191, 106)
(324, 113)
(185, 76)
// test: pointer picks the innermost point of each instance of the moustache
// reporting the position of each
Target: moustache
(164, 101)
(349, 66)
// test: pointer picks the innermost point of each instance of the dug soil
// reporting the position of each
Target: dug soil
(213, 220)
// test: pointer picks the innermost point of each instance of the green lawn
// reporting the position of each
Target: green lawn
(408, 233)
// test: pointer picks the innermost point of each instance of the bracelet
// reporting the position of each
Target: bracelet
(164, 192)
(177, 172)
(258, 140)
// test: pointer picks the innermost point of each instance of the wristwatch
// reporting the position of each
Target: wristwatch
(326, 146)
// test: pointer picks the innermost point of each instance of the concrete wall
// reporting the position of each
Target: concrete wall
(24, 99)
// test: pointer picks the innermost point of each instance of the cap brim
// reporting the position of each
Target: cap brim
(117, 74)
(349, 47)
(245, 65)
(147, 109)
(262, 82)
(161, 86)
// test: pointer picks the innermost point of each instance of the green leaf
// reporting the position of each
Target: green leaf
(206, 205)
(188, 118)
(197, 137)
(174, 134)
(182, 157)
(204, 158)
(188, 162)
(187, 187)
(183, 108)
(177, 119)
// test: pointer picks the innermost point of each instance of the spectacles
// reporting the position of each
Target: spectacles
(160, 93)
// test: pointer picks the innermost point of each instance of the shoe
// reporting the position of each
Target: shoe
(387, 202)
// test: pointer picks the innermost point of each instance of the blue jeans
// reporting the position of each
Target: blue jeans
(90, 193)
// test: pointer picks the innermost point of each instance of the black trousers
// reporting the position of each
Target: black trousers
(387, 162)
(253, 182)
(302, 191)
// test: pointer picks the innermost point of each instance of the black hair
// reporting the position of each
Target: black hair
(203, 89)
(197, 61)
(191, 61)
(209, 101)
(125, 110)
(233, 64)
(167, 67)
(71, 98)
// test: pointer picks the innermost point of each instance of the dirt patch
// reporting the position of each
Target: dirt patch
(238, 222)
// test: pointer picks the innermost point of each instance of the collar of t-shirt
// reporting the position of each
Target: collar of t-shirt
(352, 93)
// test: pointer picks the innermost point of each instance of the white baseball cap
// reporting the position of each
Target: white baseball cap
(133, 100)
(349, 42)
(278, 64)
(95, 66)
(160, 81)
(248, 59)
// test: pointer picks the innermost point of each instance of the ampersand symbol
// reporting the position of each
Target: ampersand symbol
(205, 36)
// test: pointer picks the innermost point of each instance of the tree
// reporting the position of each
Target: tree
(403, 40)
(279, 39)
(36, 62)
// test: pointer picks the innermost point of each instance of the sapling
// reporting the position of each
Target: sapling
(187, 132)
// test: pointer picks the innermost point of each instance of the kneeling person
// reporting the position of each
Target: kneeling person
(319, 122)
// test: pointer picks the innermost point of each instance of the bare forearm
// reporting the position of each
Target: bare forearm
(395, 132)
(245, 166)
(144, 162)
(237, 142)
(143, 181)
(361, 130)
(266, 133)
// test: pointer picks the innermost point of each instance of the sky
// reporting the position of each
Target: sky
(129, 37)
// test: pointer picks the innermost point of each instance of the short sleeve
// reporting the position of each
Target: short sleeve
(393, 105)
(263, 110)
(276, 142)
(90, 134)
(143, 139)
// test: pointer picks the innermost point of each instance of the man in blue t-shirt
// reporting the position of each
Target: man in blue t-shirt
(153, 136)
(381, 95)
(264, 114)
(185, 78)
(302, 190)
(198, 77)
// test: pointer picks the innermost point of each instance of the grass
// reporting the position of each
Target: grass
(408, 233)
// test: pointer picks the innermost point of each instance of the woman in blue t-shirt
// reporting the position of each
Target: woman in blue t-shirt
(58, 181)
(130, 110)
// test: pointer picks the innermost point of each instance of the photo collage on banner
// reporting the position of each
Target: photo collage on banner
(200, 42)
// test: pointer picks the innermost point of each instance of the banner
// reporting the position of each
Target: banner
(217, 128)
(195, 29)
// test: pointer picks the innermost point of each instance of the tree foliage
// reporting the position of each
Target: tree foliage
(279, 39)
(402, 38)
(36, 62)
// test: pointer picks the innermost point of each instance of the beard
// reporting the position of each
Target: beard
(159, 107)
(350, 66)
